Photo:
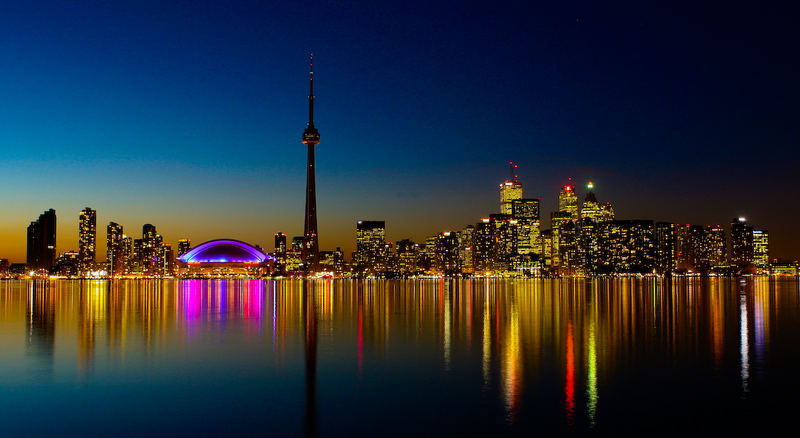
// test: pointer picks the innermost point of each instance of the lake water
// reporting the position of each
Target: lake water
(378, 358)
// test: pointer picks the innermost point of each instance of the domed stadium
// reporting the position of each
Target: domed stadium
(224, 257)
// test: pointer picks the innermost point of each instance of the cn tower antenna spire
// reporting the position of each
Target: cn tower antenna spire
(311, 90)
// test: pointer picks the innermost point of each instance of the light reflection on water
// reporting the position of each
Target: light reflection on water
(332, 357)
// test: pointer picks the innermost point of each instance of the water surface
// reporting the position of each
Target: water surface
(458, 357)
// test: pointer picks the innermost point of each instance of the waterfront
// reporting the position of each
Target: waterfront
(336, 357)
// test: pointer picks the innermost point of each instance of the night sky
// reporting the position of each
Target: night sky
(188, 115)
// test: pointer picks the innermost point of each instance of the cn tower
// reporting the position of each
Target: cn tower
(310, 252)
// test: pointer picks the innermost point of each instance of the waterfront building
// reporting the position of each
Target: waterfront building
(485, 247)
(41, 240)
(547, 248)
(447, 251)
(466, 252)
(127, 253)
(761, 249)
(370, 245)
(332, 261)
(67, 264)
(557, 221)
(407, 255)
(627, 246)
(666, 248)
(741, 253)
(280, 254)
(87, 239)
(714, 247)
(115, 257)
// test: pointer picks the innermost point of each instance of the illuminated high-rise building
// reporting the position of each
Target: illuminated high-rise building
(590, 208)
(310, 250)
(558, 220)
(506, 230)
(184, 246)
(41, 253)
(761, 249)
(370, 244)
(666, 248)
(713, 253)
(741, 253)
(87, 239)
(627, 246)
(114, 251)
(127, 253)
(525, 209)
(466, 243)
(447, 248)
(485, 246)
(407, 254)
(510, 190)
(568, 200)
(280, 253)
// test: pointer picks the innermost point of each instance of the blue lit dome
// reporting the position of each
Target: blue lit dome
(224, 251)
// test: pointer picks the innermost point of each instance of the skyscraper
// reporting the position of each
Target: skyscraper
(184, 245)
(568, 200)
(42, 242)
(761, 249)
(310, 251)
(741, 252)
(87, 239)
(280, 253)
(114, 250)
(510, 190)
(370, 244)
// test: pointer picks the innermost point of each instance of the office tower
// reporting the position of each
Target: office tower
(137, 260)
(557, 221)
(713, 247)
(588, 244)
(546, 237)
(310, 250)
(568, 200)
(41, 239)
(184, 246)
(114, 251)
(526, 208)
(506, 231)
(149, 254)
(165, 261)
(666, 248)
(466, 240)
(280, 253)
(370, 245)
(741, 253)
(627, 246)
(447, 249)
(761, 249)
(485, 247)
(510, 190)
(407, 254)
(127, 252)
(606, 212)
(590, 208)
(87, 239)
(427, 254)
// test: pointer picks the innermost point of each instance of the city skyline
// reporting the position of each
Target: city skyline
(210, 138)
